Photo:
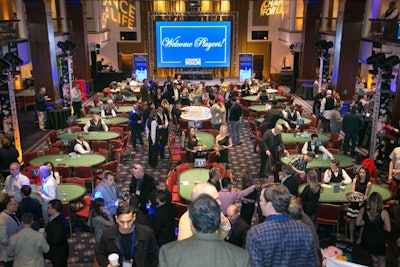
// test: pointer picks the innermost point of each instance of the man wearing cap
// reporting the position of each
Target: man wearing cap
(328, 104)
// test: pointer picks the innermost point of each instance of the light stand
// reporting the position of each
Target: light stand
(10, 123)
(68, 48)
(382, 69)
(323, 55)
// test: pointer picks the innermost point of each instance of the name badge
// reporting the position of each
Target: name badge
(367, 115)
(137, 192)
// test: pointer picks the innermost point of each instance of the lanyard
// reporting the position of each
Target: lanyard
(132, 246)
(277, 217)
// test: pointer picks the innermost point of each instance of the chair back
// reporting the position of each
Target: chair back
(52, 151)
(220, 167)
(96, 145)
(180, 209)
(111, 166)
(83, 171)
(75, 180)
(64, 171)
(119, 130)
(181, 168)
(328, 213)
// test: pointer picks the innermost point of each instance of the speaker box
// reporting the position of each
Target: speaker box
(128, 36)
(259, 35)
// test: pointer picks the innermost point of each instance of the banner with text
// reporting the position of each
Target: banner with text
(245, 66)
(140, 66)
(188, 44)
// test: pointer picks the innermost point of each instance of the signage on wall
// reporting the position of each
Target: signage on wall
(271, 7)
(122, 12)
(245, 66)
(189, 44)
(140, 66)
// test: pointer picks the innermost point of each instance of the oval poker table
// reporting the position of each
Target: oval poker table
(90, 136)
(66, 160)
(120, 109)
(108, 121)
(195, 113)
(328, 195)
(320, 162)
(301, 138)
(253, 98)
(66, 192)
(189, 178)
(280, 121)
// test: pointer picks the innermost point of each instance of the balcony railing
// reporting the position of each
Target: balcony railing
(9, 29)
(385, 29)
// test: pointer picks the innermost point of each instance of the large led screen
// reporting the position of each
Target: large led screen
(189, 44)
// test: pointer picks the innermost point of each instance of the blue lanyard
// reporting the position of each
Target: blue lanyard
(277, 217)
(132, 246)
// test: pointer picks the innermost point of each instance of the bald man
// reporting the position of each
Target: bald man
(185, 230)
(271, 142)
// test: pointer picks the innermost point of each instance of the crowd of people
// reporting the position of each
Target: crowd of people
(143, 219)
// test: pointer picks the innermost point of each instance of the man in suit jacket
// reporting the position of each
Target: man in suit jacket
(287, 178)
(9, 225)
(28, 245)
(56, 235)
(141, 186)
(128, 233)
(204, 248)
(270, 145)
(239, 227)
(164, 219)
(30, 205)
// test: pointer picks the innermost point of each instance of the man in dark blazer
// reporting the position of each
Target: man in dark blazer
(164, 219)
(271, 145)
(287, 178)
(239, 227)
(127, 233)
(204, 247)
(141, 186)
(56, 235)
(30, 205)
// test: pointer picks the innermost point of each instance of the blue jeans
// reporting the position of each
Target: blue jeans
(235, 126)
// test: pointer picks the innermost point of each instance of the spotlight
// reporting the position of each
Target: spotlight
(62, 46)
(194, 4)
(98, 46)
(70, 45)
(324, 45)
(4, 65)
(390, 62)
(14, 60)
(376, 59)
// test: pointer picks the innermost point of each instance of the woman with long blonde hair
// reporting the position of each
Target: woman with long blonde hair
(223, 142)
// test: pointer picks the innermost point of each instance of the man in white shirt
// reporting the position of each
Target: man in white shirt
(14, 182)
(95, 124)
(334, 174)
(81, 146)
(316, 146)
(48, 191)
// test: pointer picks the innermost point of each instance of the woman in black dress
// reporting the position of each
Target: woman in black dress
(190, 144)
(311, 194)
(376, 222)
(223, 142)
(361, 184)
(249, 201)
